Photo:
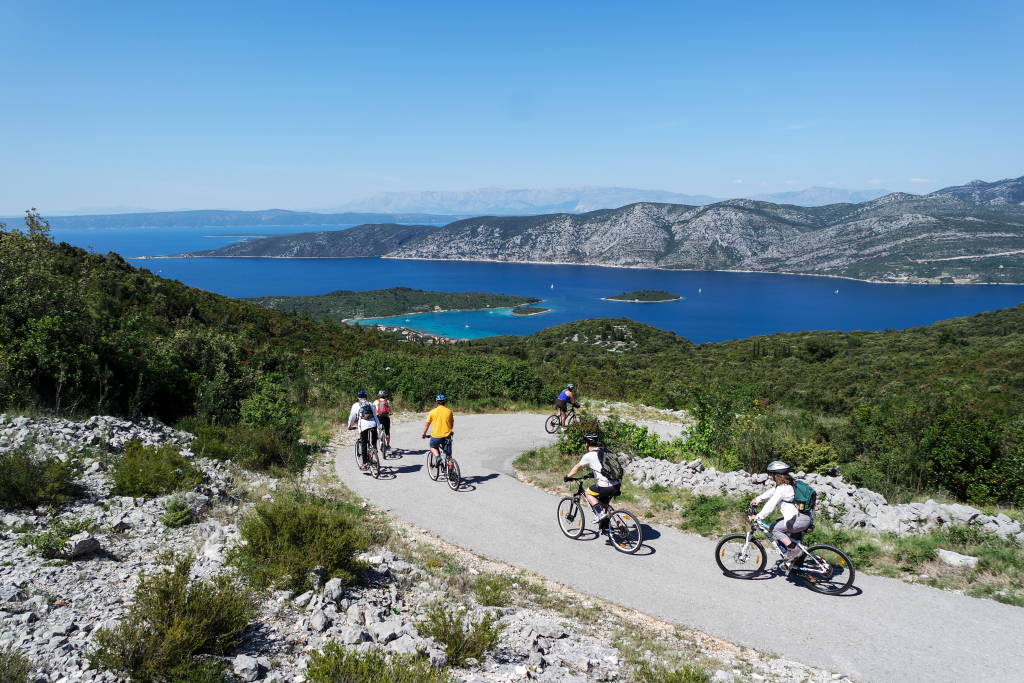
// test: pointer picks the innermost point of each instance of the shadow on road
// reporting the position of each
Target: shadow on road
(404, 469)
(650, 532)
(477, 479)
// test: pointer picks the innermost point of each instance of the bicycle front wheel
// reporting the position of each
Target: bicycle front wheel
(625, 531)
(454, 475)
(740, 559)
(573, 418)
(374, 462)
(570, 518)
(553, 424)
(826, 569)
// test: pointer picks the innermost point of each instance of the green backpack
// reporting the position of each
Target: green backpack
(804, 497)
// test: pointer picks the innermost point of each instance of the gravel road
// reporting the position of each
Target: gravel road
(885, 631)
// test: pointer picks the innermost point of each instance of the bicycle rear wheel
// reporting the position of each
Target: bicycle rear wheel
(738, 559)
(382, 440)
(570, 518)
(454, 475)
(433, 468)
(374, 463)
(553, 423)
(625, 531)
(826, 569)
(359, 455)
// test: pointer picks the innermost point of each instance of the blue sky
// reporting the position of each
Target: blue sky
(309, 104)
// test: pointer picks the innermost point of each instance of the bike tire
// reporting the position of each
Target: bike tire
(359, 454)
(453, 474)
(571, 519)
(625, 531)
(838, 576)
(553, 423)
(572, 419)
(384, 448)
(434, 470)
(727, 555)
(374, 463)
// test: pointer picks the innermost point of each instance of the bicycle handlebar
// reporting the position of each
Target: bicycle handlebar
(583, 478)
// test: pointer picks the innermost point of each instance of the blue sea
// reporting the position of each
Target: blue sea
(716, 305)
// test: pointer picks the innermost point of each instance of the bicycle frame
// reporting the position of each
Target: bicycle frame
(810, 565)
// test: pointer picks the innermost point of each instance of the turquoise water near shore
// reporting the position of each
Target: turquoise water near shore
(716, 305)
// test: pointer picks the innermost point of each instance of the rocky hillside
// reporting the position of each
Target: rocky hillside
(955, 235)
(373, 239)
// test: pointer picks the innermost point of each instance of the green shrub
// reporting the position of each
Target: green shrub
(462, 639)
(335, 664)
(172, 623)
(289, 536)
(493, 590)
(571, 440)
(14, 667)
(52, 543)
(148, 471)
(810, 456)
(269, 407)
(648, 673)
(30, 480)
(176, 513)
(704, 514)
(255, 448)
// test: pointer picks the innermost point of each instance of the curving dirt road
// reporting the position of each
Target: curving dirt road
(886, 631)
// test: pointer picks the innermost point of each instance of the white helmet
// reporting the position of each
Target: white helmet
(779, 467)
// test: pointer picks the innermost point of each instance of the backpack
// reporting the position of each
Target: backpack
(611, 466)
(383, 407)
(366, 412)
(804, 497)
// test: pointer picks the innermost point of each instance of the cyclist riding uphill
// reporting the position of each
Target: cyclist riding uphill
(566, 397)
(441, 423)
(364, 416)
(797, 507)
(383, 407)
(607, 477)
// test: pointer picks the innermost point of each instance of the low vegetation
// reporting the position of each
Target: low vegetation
(53, 542)
(255, 448)
(14, 667)
(336, 664)
(176, 513)
(285, 539)
(172, 623)
(147, 471)
(31, 479)
(461, 637)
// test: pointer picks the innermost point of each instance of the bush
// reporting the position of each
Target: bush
(493, 590)
(646, 673)
(289, 536)
(462, 639)
(810, 456)
(255, 448)
(30, 480)
(176, 513)
(148, 471)
(172, 623)
(335, 664)
(704, 514)
(269, 407)
(14, 667)
(571, 441)
(52, 543)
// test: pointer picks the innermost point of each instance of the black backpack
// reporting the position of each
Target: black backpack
(366, 412)
(611, 467)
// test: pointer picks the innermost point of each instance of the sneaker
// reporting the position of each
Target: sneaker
(792, 554)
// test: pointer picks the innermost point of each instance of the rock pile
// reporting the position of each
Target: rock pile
(100, 431)
(852, 506)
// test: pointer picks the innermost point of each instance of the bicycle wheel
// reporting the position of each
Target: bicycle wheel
(573, 418)
(433, 469)
(625, 531)
(382, 440)
(570, 518)
(826, 569)
(359, 455)
(553, 424)
(737, 559)
(374, 463)
(454, 475)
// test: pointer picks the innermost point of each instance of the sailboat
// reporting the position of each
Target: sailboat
(699, 290)
(836, 292)
(552, 285)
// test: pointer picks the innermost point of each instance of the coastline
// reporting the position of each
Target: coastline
(531, 313)
(641, 301)
(602, 265)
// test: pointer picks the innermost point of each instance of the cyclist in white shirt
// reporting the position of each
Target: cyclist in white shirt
(603, 489)
(793, 521)
(364, 416)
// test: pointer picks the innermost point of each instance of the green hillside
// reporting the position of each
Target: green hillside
(379, 303)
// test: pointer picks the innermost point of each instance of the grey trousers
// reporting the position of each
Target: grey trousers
(796, 526)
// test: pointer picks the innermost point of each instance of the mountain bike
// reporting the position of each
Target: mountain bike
(370, 461)
(554, 422)
(384, 441)
(823, 568)
(624, 530)
(448, 465)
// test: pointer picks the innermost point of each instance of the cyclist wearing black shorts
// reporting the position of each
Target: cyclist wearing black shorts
(363, 416)
(603, 489)
(383, 408)
(567, 396)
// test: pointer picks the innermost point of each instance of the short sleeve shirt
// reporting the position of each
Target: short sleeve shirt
(442, 421)
(591, 460)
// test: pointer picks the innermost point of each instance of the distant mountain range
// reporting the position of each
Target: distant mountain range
(970, 233)
(500, 202)
(227, 219)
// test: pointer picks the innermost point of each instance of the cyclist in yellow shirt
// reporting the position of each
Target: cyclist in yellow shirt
(441, 423)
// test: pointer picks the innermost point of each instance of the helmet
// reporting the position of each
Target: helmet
(591, 439)
(382, 393)
(440, 398)
(361, 394)
(779, 467)
(570, 387)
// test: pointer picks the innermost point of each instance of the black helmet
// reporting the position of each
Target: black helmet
(779, 467)
(361, 394)
(570, 387)
(382, 393)
(591, 439)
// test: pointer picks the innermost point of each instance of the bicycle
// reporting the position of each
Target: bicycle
(384, 441)
(554, 422)
(624, 530)
(370, 461)
(824, 568)
(451, 467)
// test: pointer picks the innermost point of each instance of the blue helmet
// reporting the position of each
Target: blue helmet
(440, 398)
(361, 394)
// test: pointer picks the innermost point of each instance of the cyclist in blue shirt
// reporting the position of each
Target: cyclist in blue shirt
(566, 397)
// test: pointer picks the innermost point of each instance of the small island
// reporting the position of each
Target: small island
(529, 310)
(644, 296)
